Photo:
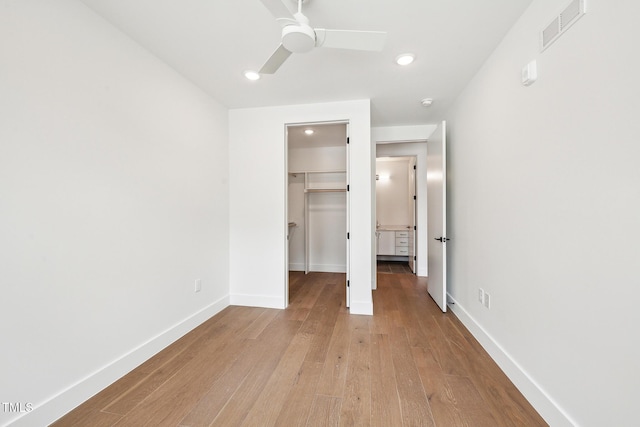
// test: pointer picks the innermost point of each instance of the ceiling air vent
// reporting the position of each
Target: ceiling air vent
(562, 22)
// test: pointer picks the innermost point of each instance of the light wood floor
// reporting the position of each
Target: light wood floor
(313, 364)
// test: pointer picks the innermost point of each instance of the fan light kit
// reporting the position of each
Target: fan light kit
(299, 37)
(405, 59)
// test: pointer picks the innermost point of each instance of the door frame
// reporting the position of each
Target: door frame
(388, 147)
(412, 159)
(348, 206)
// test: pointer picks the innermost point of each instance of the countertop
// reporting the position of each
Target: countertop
(392, 228)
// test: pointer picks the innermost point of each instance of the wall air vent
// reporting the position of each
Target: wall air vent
(550, 33)
(561, 23)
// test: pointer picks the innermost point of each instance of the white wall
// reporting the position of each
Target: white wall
(393, 201)
(418, 149)
(317, 158)
(258, 204)
(113, 200)
(544, 202)
(327, 232)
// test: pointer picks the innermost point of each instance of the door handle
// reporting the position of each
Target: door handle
(441, 239)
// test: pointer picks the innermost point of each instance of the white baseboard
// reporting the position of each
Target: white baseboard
(257, 301)
(46, 413)
(320, 268)
(365, 308)
(532, 391)
(328, 268)
(294, 266)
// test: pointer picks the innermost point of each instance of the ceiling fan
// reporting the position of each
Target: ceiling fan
(299, 37)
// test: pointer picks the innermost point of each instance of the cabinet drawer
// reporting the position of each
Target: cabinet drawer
(402, 250)
(402, 241)
(402, 234)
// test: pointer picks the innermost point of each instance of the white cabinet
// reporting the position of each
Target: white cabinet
(386, 242)
(393, 243)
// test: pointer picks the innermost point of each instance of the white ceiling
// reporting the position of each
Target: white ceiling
(212, 42)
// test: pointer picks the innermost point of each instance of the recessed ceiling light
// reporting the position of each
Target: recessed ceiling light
(427, 102)
(405, 59)
(309, 131)
(251, 75)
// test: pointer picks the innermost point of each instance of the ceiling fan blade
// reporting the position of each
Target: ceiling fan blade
(348, 39)
(275, 60)
(278, 9)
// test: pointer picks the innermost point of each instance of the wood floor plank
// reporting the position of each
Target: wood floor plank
(85, 413)
(89, 413)
(272, 398)
(255, 329)
(323, 319)
(356, 404)
(276, 338)
(261, 353)
(439, 393)
(413, 400)
(325, 411)
(334, 373)
(385, 404)
(499, 393)
(380, 323)
(170, 402)
(301, 396)
(469, 403)
(310, 292)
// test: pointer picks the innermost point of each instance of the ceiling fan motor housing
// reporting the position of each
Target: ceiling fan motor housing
(299, 37)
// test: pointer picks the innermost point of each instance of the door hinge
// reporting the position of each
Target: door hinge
(414, 167)
(348, 284)
(415, 227)
(414, 198)
(348, 187)
(414, 258)
(347, 140)
(347, 236)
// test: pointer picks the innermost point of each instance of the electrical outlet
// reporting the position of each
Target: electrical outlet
(481, 295)
(487, 300)
(198, 285)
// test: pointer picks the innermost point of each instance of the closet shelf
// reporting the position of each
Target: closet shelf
(325, 190)
(317, 171)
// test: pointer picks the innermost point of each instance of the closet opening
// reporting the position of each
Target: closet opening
(317, 207)
(396, 213)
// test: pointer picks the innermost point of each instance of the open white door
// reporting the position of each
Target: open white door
(437, 215)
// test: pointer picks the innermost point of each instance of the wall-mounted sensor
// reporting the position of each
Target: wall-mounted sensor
(426, 102)
(530, 73)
